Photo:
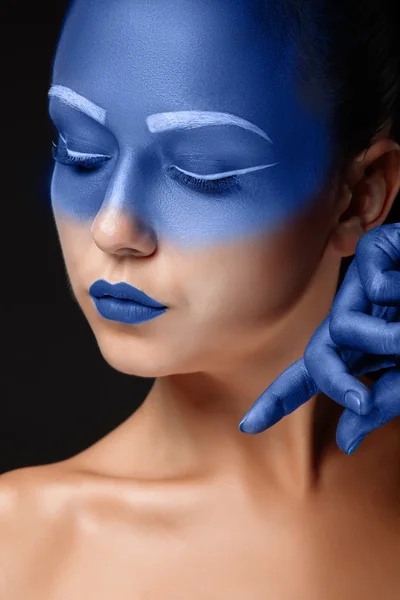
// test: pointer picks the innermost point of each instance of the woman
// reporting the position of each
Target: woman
(223, 157)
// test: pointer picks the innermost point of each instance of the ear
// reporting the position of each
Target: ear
(370, 187)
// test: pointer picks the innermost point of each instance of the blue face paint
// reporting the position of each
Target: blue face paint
(120, 66)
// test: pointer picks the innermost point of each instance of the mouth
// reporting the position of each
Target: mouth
(120, 299)
(124, 292)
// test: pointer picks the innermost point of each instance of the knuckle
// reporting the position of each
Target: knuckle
(337, 327)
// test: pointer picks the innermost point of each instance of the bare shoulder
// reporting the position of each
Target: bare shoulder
(18, 497)
(20, 490)
(34, 507)
(22, 506)
(33, 495)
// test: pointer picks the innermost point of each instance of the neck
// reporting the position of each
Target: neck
(190, 421)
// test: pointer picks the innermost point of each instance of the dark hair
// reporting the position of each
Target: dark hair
(347, 63)
(348, 66)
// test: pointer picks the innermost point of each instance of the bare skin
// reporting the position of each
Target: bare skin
(85, 528)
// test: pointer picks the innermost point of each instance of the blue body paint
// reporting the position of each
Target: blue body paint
(128, 62)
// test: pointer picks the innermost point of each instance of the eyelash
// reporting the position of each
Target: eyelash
(89, 163)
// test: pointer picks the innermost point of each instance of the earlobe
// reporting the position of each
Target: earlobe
(345, 236)
(361, 209)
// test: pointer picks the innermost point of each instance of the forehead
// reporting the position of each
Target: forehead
(135, 58)
(175, 55)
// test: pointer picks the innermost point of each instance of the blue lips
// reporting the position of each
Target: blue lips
(124, 303)
(122, 291)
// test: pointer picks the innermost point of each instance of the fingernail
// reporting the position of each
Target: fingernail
(355, 445)
(242, 424)
(252, 424)
(352, 400)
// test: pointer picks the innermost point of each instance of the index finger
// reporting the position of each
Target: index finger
(286, 393)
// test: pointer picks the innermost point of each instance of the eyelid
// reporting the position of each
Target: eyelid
(226, 173)
(76, 154)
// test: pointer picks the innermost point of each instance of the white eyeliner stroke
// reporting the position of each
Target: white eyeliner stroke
(226, 174)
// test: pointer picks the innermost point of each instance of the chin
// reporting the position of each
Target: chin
(134, 356)
(129, 366)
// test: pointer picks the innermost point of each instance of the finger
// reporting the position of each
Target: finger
(378, 261)
(286, 393)
(332, 375)
(321, 369)
(386, 393)
(352, 328)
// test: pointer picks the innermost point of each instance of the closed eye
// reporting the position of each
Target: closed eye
(83, 161)
(216, 183)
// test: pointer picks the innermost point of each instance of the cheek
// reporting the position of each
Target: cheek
(251, 282)
(76, 245)
(236, 287)
(77, 196)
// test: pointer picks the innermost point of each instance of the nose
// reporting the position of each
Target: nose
(117, 231)
(118, 227)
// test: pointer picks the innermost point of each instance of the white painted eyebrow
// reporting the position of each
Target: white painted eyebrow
(75, 100)
(189, 119)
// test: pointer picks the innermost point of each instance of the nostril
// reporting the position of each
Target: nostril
(128, 252)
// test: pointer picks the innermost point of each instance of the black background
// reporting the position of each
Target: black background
(58, 395)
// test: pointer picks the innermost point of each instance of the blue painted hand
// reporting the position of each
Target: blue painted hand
(360, 335)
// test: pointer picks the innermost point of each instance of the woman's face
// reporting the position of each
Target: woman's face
(226, 258)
